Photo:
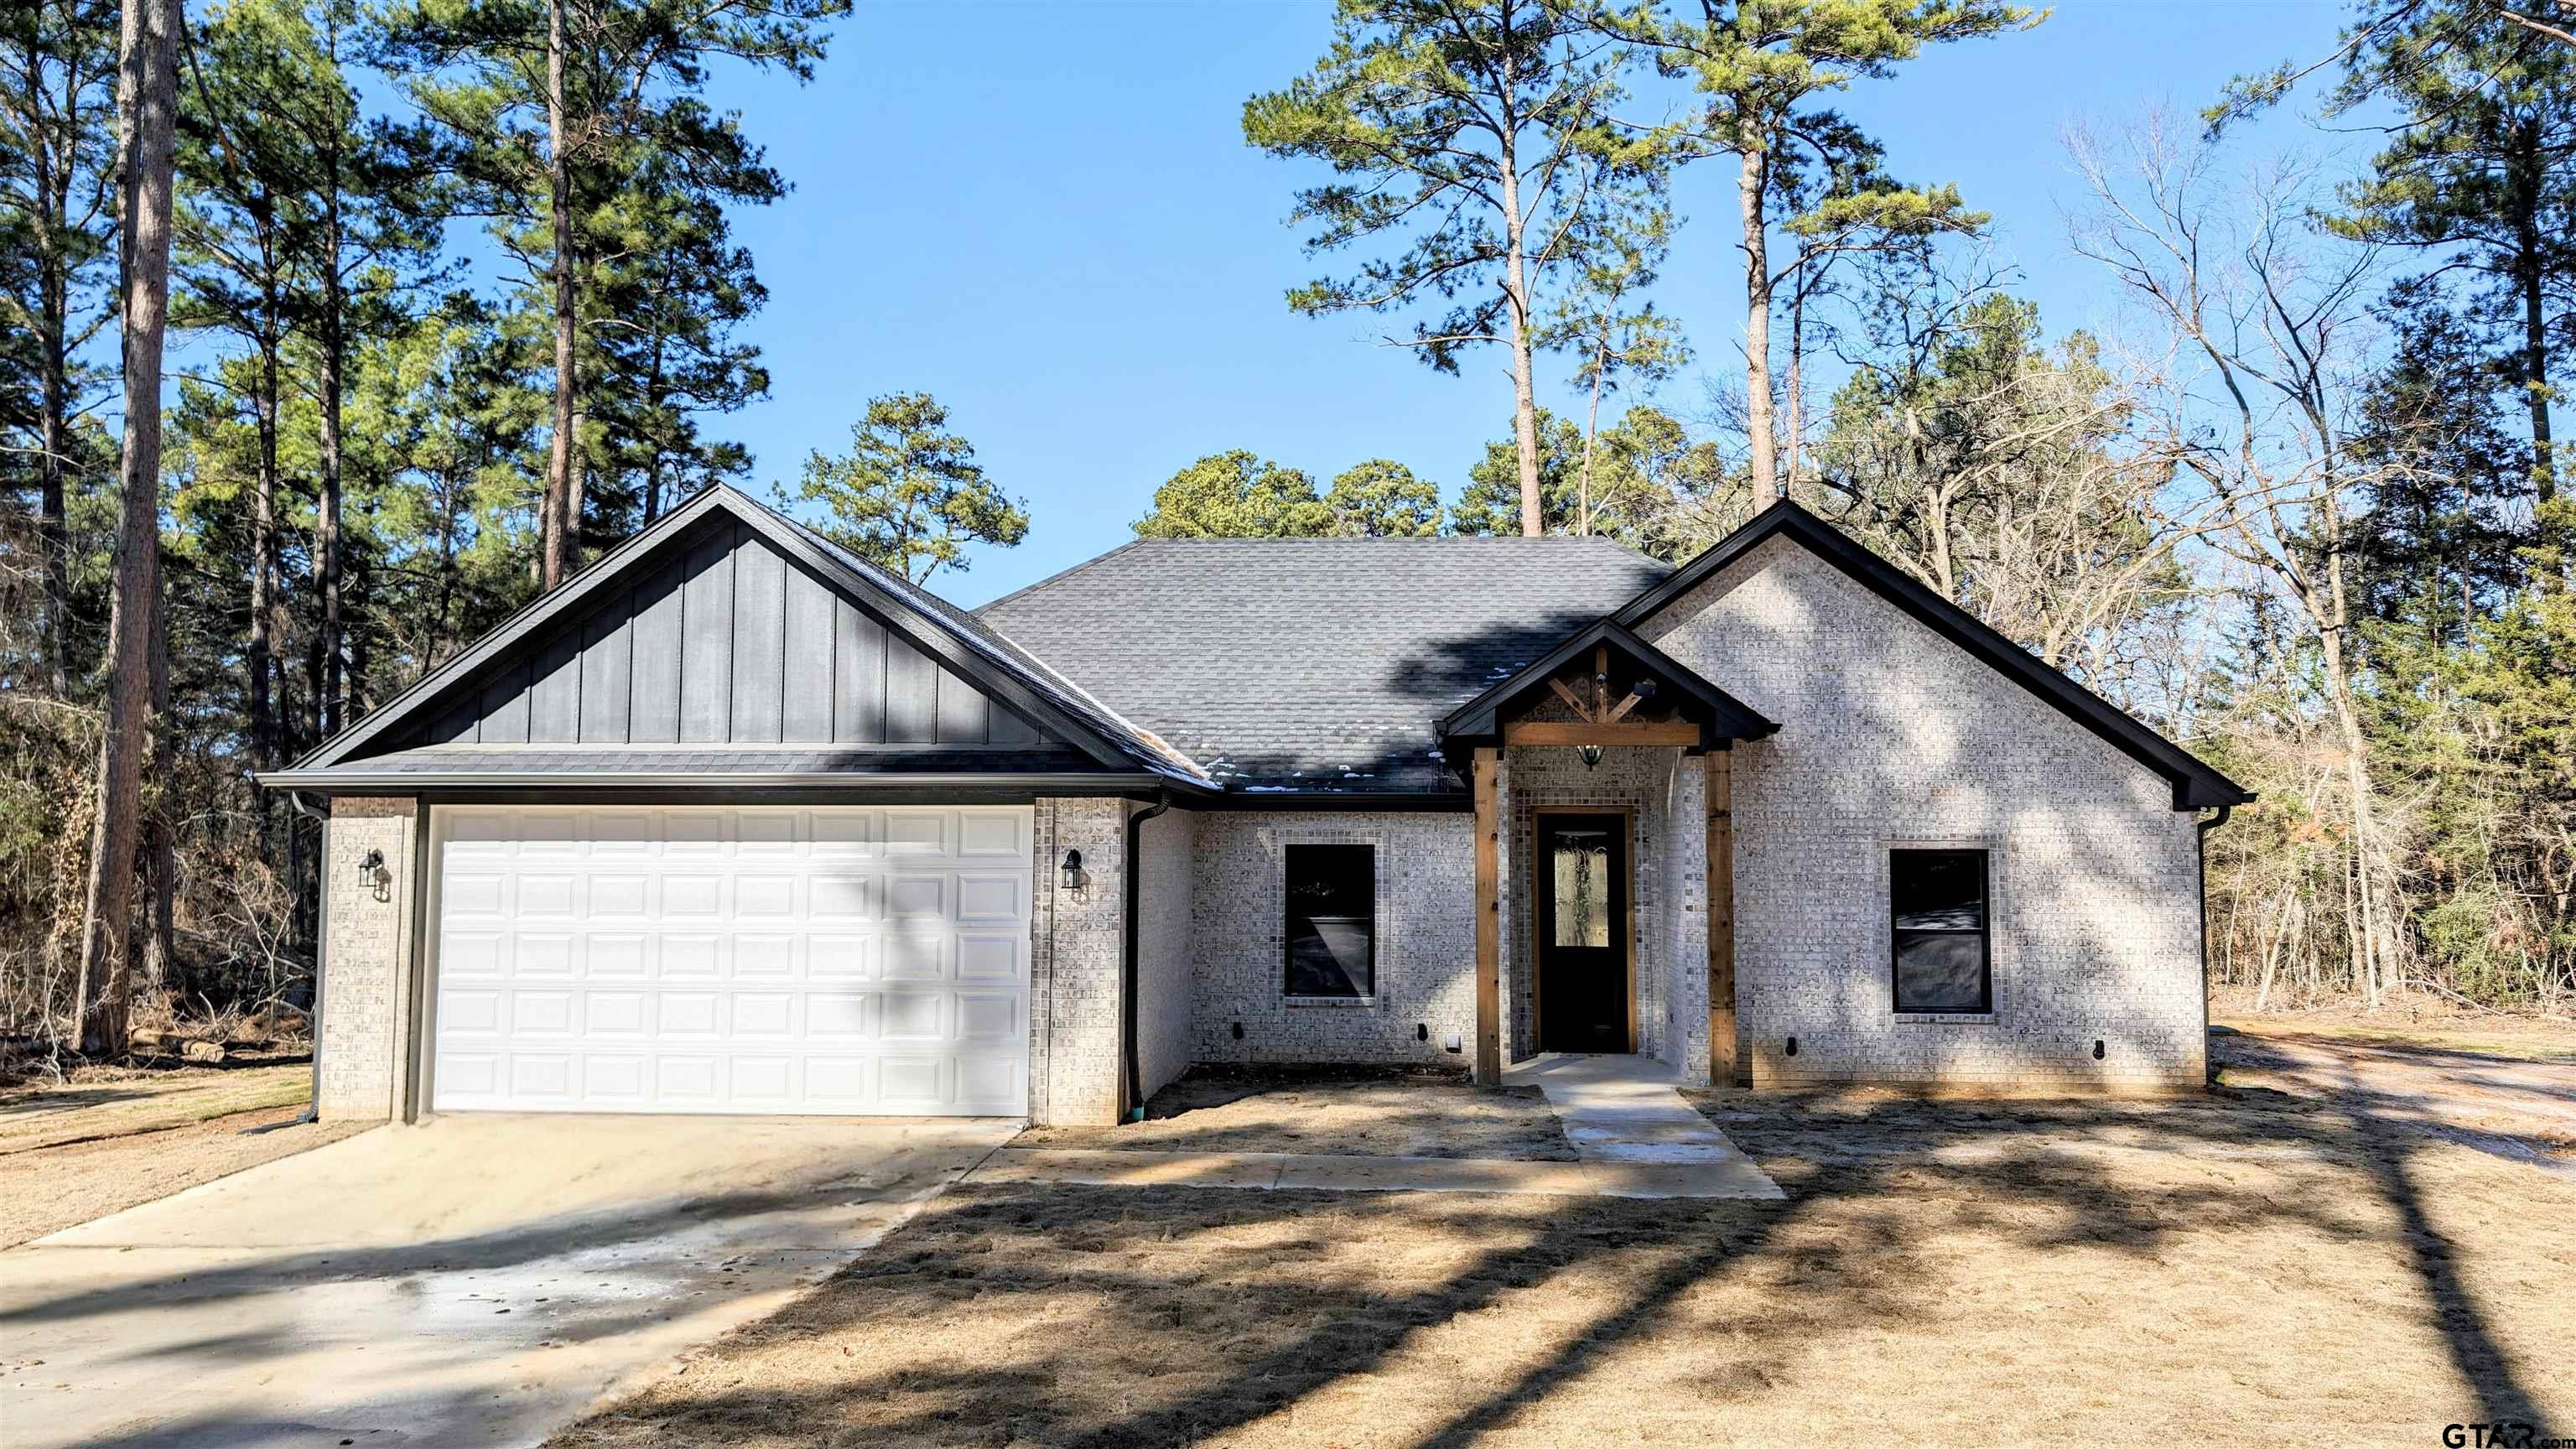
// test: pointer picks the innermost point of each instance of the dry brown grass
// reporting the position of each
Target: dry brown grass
(1349, 1113)
(113, 1137)
(52, 1188)
(105, 1102)
(2246, 1269)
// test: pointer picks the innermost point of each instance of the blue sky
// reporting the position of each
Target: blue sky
(1045, 215)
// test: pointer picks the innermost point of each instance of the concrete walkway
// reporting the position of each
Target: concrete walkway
(1625, 1110)
(1635, 1134)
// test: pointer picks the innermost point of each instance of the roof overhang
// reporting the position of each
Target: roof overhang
(358, 780)
(1696, 716)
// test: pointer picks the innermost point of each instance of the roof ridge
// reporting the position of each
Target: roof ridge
(1060, 575)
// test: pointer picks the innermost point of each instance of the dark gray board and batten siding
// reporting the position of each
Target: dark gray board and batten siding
(728, 643)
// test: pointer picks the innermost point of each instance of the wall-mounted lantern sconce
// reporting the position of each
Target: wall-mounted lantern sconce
(1591, 756)
(373, 875)
(1073, 870)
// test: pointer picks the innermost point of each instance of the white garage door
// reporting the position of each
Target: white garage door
(822, 960)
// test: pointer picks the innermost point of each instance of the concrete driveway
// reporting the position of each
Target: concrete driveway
(477, 1280)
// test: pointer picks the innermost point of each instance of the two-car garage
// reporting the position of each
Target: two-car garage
(789, 959)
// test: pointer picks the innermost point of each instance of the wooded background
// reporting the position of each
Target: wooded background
(2300, 510)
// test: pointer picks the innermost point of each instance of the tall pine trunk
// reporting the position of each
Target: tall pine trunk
(561, 544)
(1516, 303)
(1751, 184)
(1592, 431)
(147, 108)
(326, 383)
(55, 437)
(160, 842)
(260, 658)
(2531, 274)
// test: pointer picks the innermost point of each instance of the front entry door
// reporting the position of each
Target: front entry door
(1583, 933)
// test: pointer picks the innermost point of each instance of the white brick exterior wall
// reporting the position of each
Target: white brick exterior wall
(1077, 940)
(1891, 736)
(1426, 941)
(366, 961)
(1165, 994)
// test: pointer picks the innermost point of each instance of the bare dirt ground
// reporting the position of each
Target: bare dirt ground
(1357, 1113)
(109, 1139)
(2241, 1269)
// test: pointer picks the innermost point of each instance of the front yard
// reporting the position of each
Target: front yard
(1348, 1113)
(2250, 1268)
(110, 1138)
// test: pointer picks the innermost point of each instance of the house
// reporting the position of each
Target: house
(738, 822)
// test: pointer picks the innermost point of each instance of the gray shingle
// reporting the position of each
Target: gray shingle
(1313, 663)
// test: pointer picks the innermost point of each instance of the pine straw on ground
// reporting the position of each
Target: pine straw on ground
(2236, 1270)
(1358, 1112)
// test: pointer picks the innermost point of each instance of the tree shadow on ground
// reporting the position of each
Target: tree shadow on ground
(1102, 1316)
(1377, 1112)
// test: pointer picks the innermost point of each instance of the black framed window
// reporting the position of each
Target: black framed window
(1937, 905)
(1332, 920)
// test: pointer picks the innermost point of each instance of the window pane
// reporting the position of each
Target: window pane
(1938, 890)
(1332, 880)
(1940, 971)
(1332, 919)
(1328, 957)
(1583, 887)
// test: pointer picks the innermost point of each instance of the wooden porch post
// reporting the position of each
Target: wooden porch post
(1489, 925)
(1722, 1065)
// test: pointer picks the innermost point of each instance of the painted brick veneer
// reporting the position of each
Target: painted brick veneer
(366, 961)
(1074, 960)
(1891, 736)
(1165, 988)
(1426, 940)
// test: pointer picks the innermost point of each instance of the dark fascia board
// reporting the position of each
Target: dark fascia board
(1731, 718)
(600, 784)
(933, 636)
(2196, 786)
(1386, 802)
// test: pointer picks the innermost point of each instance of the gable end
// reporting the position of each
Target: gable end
(2196, 786)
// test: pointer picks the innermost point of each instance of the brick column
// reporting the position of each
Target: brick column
(367, 959)
(1079, 937)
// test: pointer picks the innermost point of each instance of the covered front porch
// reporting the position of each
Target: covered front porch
(1603, 781)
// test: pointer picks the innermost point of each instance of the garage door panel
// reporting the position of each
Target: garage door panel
(841, 896)
(840, 957)
(991, 899)
(916, 956)
(992, 956)
(991, 834)
(728, 960)
(911, 1084)
(692, 895)
(623, 895)
(619, 957)
(918, 832)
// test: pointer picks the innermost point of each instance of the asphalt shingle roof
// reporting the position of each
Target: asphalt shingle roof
(1315, 664)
